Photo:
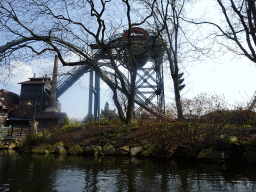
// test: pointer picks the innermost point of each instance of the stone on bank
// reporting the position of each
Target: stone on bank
(108, 149)
(92, 150)
(135, 151)
(56, 147)
(123, 151)
(41, 149)
(75, 150)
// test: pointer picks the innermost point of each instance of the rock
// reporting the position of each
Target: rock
(59, 148)
(108, 149)
(135, 151)
(41, 149)
(56, 147)
(124, 150)
(12, 146)
(211, 154)
(89, 149)
(230, 145)
(63, 151)
(185, 152)
(148, 150)
(97, 150)
(75, 150)
(249, 151)
(93, 150)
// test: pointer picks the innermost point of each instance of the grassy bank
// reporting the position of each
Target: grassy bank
(166, 137)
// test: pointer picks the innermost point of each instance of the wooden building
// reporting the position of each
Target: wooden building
(34, 99)
(35, 96)
(9, 104)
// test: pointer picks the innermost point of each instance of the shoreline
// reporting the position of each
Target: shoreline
(148, 141)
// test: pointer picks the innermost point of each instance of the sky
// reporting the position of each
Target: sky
(230, 76)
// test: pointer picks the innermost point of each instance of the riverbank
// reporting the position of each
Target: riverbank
(180, 141)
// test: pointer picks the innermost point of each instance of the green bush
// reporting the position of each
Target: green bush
(70, 126)
(66, 121)
(105, 122)
(251, 123)
(31, 140)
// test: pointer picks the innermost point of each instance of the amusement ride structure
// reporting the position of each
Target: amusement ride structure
(148, 51)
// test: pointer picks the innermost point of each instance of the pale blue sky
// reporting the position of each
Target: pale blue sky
(232, 77)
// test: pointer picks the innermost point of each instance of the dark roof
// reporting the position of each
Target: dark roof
(9, 93)
(13, 99)
(12, 94)
(35, 82)
(4, 90)
(38, 80)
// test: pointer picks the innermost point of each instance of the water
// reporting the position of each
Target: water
(25, 172)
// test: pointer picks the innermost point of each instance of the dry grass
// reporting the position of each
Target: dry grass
(165, 136)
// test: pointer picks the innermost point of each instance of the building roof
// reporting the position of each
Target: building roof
(12, 94)
(4, 90)
(11, 101)
(9, 92)
(37, 80)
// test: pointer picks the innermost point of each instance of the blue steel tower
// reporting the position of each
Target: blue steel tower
(148, 51)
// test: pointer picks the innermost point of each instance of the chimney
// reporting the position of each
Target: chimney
(34, 75)
(52, 107)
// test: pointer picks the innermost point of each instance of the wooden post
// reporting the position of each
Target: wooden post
(12, 128)
(33, 126)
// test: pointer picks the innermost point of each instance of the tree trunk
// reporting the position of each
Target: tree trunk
(177, 97)
(118, 106)
(130, 107)
(129, 113)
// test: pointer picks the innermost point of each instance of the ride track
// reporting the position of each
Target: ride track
(150, 78)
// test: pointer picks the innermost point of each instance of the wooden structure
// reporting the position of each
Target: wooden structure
(34, 99)
(35, 96)
(9, 104)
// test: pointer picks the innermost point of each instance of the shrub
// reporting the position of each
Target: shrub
(105, 122)
(70, 127)
(62, 135)
(31, 141)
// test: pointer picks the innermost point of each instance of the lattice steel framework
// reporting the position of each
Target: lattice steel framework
(149, 83)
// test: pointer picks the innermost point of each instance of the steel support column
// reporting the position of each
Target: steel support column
(90, 93)
(97, 97)
(94, 90)
(160, 84)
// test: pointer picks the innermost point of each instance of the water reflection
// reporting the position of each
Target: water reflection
(78, 173)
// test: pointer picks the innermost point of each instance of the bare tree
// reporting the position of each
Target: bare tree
(238, 26)
(65, 27)
(171, 29)
(241, 25)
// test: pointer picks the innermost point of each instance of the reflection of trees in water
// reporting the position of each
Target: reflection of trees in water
(23, 173)
(132, 174)
(91, 173)
(33, 172)
(220, 177)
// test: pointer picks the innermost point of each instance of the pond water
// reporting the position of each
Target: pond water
(26, 172)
